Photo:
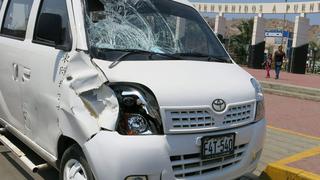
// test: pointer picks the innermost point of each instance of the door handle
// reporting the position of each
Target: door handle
(26, 74)
(15, 71)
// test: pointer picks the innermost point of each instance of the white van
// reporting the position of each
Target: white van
(126, 90)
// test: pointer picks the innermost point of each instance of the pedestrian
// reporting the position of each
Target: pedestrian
(267, 65)
(279, 56)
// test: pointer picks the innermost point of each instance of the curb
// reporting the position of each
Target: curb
(300, 92)
(291, 88)
(291, 94)
(281, 171)
(294, 133)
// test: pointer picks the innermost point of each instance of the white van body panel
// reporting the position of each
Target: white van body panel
(11, 88)
(184, 80)
(151, 155)
(185, 2)
(43, 98)
(40, 104)
(79, 25)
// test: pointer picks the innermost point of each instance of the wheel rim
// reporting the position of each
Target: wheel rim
(73, 170)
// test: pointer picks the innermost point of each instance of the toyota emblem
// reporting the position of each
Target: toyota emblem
(219, 105)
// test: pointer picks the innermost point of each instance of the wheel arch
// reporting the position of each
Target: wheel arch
(64, 143)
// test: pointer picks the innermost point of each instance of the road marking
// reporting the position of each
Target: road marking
(295, 133)
(280, 169)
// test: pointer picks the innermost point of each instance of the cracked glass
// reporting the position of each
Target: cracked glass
(164, 27)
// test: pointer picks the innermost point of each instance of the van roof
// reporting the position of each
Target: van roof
(186, 2)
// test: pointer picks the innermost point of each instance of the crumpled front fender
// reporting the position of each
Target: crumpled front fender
(77, 76)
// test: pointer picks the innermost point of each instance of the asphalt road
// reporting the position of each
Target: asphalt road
(11, 168)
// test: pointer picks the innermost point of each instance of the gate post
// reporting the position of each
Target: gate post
(297, 63)
(220, 26)
(257, 47)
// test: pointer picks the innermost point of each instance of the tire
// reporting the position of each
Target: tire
(74, 157)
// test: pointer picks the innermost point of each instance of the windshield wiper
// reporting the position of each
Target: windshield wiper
(128, 52)
(206, 56)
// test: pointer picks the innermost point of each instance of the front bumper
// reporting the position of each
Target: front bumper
(115, 157)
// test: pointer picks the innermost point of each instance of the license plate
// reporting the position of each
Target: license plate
(215, 146)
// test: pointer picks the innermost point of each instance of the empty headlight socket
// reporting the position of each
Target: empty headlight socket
(134, 99)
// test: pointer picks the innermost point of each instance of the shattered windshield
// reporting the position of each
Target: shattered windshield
(156, 26)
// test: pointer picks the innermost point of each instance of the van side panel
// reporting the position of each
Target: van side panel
(10, 83)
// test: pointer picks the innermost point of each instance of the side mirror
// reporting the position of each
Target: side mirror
(50, 30)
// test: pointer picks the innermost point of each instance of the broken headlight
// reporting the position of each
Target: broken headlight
(139, 111)
(260, 110)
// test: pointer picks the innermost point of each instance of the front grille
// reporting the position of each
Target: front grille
(189, 165)
(185, 119)
(236, 114)
(181, 120)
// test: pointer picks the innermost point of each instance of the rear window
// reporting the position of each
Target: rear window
(16, 18)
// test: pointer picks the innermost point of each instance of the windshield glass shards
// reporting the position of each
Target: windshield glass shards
(163, 27)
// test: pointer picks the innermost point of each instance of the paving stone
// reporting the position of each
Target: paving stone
(306, 80)
(310, 164)
(279, 145)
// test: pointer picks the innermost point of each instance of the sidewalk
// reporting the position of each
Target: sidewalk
(293, 129)
(293, 126)
(308, 163)
(279, 146)
(301, 116)
(301, 166)
(307, 80)
(298, 115)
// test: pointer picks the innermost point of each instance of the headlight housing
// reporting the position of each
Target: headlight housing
(260, 109)
(139, 110)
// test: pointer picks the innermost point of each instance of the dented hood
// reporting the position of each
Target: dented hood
(185, 83)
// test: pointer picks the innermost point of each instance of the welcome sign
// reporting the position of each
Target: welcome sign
(261, 8)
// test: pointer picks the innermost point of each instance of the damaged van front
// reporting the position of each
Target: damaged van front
(174, 105)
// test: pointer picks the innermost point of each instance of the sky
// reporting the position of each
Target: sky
(314, 18)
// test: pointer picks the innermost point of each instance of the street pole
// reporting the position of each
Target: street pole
(284, 24)
(314, 59)
(289, 65)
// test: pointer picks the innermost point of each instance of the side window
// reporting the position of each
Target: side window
(57, 8)
(0, 3)
(16, 18)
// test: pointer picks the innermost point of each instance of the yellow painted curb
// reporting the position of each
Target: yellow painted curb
(281, 171)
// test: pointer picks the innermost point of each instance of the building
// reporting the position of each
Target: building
(300, 42)
(275, 38)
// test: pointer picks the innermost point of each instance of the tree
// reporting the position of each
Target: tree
(239, 44)
(314, 46)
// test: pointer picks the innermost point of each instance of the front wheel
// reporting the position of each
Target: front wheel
(74, 165)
